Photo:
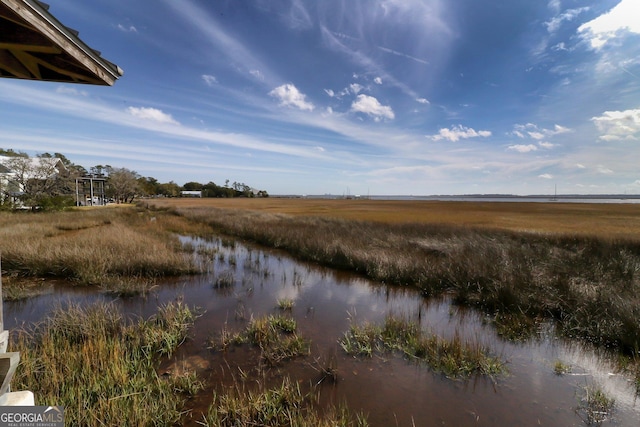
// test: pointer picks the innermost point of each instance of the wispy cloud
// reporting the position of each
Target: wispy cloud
(233, 50)
(290, 96)
(403, 55)
(536, 132)
(569, 15)
(127, 28)
(455, 133)
(209, 79)
(523, 148)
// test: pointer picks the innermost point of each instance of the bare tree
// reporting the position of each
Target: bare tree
(123, 185)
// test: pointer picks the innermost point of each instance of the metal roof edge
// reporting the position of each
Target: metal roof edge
(40, 10)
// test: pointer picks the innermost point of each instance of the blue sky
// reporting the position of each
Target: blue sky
(367, 96)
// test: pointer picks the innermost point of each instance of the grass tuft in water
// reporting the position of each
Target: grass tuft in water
(225, 280)
(285, 304)
(453, 357)
(561, 368)
(274, 335)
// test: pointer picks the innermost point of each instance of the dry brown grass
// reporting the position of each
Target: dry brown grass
(608, 220)
(93, 246)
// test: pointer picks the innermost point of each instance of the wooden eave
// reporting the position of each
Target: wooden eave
(34, 45)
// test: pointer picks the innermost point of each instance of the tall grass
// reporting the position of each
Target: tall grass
(590, 286)
(103, 369)
(94, 246)
(284, 405)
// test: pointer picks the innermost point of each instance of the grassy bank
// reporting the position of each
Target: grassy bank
(103, 369)
(588, 285)
(454, 357)
(284, 405)
(99, 246)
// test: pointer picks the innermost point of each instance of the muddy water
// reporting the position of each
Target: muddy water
(389, 389)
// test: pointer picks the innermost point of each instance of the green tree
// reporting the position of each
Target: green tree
(149, 186)
(169, 189)
(192, 186)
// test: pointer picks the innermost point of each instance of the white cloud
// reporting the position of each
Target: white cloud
(559, 46)
(330, 92)
(580, 166)
(459, 132)
(618, 125)
(536, 135)
(289, 95)
(356, 88)
(71, 91)
(522, 148)
(546, 145)
(152, 114)
(209, 79)
(624, 17)
(129, 29)
(423, 100)
(604, 170)
(546, 176)
(377, 81)
(371, 106)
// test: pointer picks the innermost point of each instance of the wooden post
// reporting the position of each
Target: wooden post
(8, 364)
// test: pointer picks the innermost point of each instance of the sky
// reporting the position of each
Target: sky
(379, 97)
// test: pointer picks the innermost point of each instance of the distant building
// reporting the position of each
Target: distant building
(18, 172)
(186, 193)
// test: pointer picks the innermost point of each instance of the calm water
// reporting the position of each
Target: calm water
(391, 390)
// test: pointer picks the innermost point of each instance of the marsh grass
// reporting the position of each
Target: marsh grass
(20, 288)
(283, 405)
(454, 357)
(588, 285)
(595, 405)
(94, 246)
(275, 336)
(102, 368)
(126, 287)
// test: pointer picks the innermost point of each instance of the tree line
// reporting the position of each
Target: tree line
(40, 183)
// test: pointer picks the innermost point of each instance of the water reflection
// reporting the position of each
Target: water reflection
(243, 282)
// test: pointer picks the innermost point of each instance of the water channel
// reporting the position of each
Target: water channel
(389, 389)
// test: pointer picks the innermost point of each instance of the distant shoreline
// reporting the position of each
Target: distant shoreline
(569, 198)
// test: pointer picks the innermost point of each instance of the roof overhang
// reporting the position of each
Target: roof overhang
(34, 45)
